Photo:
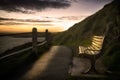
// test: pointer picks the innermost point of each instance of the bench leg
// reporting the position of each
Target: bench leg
(92, 69)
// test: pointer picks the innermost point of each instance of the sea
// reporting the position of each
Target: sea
(8, 42)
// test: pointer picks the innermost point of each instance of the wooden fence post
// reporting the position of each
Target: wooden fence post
(47, 35)
(34, 41)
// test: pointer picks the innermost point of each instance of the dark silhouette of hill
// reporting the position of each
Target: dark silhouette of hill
(96, 24)
(104, 22)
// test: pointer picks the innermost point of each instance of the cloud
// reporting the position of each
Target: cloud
(27, 6)
(11, 21)
(24, 20)
(4, 18)
(93, 1)
(71, 17)
(45, 21)
(17, 23)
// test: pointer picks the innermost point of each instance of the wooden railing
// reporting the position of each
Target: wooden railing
(34, 44)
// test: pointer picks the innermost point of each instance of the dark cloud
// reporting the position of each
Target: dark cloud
(71, 17)
(93, 1)
(23, 20)
(17, 23)
(46, 21)
(27, 6)
(11, 21)
(3, 19)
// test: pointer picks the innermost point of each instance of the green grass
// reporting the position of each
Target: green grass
(12, 63)
(112, 56)
(96, 24)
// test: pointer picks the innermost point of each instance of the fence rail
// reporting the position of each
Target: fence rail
(34, 44)
(20, 51)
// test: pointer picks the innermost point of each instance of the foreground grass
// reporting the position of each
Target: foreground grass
(11, 64)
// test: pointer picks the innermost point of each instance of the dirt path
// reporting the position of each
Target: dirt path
(80, 65)
(53, 65)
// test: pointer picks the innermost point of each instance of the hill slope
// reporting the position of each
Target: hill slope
(96, 24)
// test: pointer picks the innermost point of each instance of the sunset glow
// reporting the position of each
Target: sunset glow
(57, 18)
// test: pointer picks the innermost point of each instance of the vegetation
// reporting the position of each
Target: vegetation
(11, 64)
(111, 58)
(111, 50)
(105, 22)
(96, 24)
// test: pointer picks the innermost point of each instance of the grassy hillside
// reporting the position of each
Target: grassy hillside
(104, 22)
(111, 49)
(96, 24)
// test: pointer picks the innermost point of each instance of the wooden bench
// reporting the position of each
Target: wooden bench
(92, 51)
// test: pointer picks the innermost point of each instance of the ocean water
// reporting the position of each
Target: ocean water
(7, 42)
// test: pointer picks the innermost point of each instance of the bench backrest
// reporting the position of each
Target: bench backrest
(94, 48)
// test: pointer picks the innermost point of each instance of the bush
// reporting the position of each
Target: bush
(111, 57)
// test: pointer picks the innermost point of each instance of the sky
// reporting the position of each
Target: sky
(18, 16)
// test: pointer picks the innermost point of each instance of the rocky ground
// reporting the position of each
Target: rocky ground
(81, 65)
